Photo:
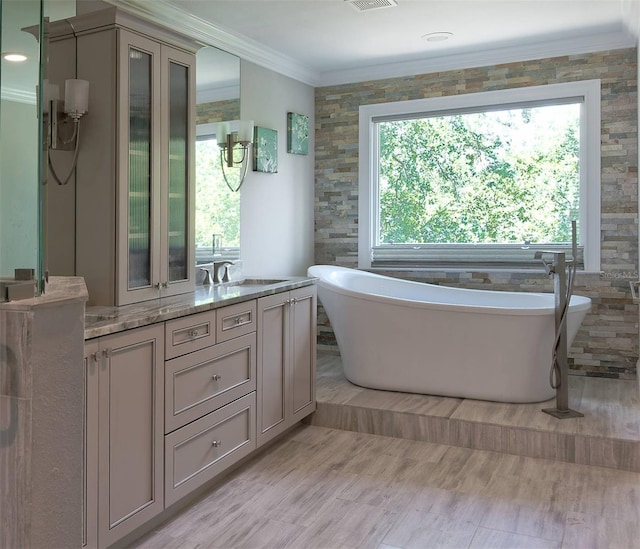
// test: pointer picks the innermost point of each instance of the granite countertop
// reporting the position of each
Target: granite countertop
(101, 321)
(59, 289)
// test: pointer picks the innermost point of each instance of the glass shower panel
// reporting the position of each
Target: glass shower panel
(178, 171)
(21, 31)
(140, 158)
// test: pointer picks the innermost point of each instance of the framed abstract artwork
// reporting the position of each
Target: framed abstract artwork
(265, 150)
(297, 133)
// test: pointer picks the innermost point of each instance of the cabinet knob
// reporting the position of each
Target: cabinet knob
(216, 377)
(157, 285)
(239, 320)
(107, 353)
(165, 284)
(193, 333)
(216, 443)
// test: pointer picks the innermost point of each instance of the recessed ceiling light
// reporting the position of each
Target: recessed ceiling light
(437, 36)
(14, 57)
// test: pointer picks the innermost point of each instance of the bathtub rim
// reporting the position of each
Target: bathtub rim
(578, 302)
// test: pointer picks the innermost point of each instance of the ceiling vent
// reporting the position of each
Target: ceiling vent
(368, 5)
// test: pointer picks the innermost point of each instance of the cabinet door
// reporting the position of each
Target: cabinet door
(177, 257)
(303, 352)
(92, 358)
(138, 217)
(273, 360)
(131, 405)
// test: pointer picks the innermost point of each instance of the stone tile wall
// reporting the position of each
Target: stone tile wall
(218, 111)
(607, 344)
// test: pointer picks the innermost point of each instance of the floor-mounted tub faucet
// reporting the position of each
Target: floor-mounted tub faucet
(563, 273)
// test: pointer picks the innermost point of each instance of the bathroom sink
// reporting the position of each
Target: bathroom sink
(255, 282)
(260, 281)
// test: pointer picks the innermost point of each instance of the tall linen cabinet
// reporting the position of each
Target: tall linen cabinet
(134, 212)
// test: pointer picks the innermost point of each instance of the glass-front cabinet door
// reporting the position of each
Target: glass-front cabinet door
(155, 181)
(139, 168)
(178, 136)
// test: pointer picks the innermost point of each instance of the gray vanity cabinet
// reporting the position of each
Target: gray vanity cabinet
(286, 360)
(171, 406)
(92, 362)
(124, 434)
(210, 395)
(134, 233)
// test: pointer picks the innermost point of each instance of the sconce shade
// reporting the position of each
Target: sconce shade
(76, 96)
(52, 91)
(221, 132)
(245, 130)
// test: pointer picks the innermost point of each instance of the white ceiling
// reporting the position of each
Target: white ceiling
(335, 42)
(324, 42)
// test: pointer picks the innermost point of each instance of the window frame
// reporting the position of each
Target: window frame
(510, 256)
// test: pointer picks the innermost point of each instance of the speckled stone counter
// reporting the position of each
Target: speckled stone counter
(101, 321)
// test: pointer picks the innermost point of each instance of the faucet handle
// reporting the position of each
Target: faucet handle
(207, 276)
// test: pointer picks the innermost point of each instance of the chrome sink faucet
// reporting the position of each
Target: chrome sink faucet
(207, 276)
(221, 265)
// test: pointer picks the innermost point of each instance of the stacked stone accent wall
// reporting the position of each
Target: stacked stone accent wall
(607, 344)
(218, 111)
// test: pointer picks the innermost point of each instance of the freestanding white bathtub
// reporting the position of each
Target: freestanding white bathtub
(407, 336)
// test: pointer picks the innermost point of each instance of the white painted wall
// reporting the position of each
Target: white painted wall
(277, 210)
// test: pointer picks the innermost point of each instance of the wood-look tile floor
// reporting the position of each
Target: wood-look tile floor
(608, 435)
(326, 488)
(329, 488)
(611, 407)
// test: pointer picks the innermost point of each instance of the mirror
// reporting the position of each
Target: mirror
(217, 208)
(22, 196)
(19, 150)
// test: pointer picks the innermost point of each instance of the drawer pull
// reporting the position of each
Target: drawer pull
(193, 333)
(216, 377)
(216, 443)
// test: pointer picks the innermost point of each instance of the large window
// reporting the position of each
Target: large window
(217, 207)
(480, 179)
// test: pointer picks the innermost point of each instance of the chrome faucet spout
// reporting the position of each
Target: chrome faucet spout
(221, 265)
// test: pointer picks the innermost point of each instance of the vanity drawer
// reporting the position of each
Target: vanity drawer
(200, 382)
(190, 333)
(203, 449)
(235, 320)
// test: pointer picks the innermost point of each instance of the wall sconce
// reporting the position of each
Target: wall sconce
(234, 150)
(63, 114)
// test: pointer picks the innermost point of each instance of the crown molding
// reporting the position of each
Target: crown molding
(209, 34)
(214, 95)
(526, 52)
(18, 96)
